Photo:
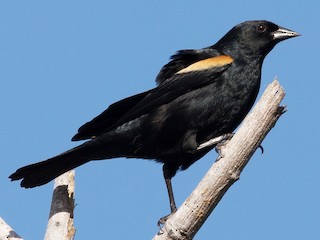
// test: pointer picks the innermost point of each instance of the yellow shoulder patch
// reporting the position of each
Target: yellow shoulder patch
(207, 64)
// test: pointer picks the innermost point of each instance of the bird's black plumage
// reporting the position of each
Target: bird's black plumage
(201, 94)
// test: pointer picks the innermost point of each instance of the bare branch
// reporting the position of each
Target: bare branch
(60, 224)
(188, 219)
(6, 232)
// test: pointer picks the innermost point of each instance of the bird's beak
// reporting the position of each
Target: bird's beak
(283, 33)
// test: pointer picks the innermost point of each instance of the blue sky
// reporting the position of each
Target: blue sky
(64, 62)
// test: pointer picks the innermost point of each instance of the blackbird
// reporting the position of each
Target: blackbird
(200, 95)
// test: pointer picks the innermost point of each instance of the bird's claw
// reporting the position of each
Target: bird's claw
(261, 148)
(163, 220)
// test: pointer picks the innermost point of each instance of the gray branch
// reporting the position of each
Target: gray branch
(6, 232)
(60, 224)
(189, 218)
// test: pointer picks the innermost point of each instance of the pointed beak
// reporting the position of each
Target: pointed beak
(283, 33)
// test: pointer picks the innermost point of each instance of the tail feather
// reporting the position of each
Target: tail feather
(40, 173)
(110, 145)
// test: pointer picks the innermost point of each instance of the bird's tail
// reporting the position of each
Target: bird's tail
(43, 172)
(110, 145)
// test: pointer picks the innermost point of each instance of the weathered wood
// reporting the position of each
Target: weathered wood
(6, 232)
(60, 225)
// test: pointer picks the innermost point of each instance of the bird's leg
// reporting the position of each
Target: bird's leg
(216, 141)
(173, 206)
(167, 173)
(220, 142)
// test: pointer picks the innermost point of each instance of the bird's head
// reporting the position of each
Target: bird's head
(256, 37)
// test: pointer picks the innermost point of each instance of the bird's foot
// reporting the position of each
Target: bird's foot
(222, 145)
(163, 220)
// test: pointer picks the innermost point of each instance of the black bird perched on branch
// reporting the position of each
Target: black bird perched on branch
(201, 94)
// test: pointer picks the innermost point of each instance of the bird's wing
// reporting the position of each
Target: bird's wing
(108, 118)
(183, 59)
(196, 75)
(186, 79)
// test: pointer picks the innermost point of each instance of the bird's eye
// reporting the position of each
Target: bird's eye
(261, 28)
